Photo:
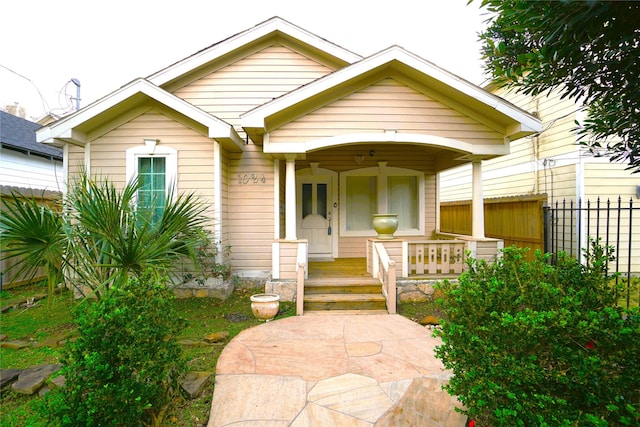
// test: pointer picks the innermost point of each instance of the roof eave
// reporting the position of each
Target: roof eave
(66, 128)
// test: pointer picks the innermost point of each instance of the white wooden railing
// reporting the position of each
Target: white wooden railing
(433, 257)
(384, 269)
(301, 273)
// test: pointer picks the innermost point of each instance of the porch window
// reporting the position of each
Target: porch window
(403, 200)
(361, 202)
(382, 190)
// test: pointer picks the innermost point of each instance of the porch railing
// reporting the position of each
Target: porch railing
(384, 269)
(301, 273)
(433, 257)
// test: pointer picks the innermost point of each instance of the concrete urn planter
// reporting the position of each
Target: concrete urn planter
(265, 306)
(385, 225)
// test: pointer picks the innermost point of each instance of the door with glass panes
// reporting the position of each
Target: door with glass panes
(314, 215)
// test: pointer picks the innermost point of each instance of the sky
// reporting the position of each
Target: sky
(104, 45)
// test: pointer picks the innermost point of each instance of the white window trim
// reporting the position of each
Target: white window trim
(381, 172)
(171, 164)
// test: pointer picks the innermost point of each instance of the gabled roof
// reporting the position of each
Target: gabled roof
(410, 69)
(272, 28)
(19, 134)
(76, 127)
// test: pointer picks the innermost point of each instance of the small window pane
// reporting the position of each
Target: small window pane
(307, 200)
(322, 200)
(361, 202)
(152, 191)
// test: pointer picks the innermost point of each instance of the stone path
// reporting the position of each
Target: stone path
(347, 370)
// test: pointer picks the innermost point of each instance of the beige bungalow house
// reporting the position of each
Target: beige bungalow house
(294, 143)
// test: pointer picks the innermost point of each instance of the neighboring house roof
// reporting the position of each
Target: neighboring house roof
(88, 122)
(411, 70)
(265, 31)
(20, 135)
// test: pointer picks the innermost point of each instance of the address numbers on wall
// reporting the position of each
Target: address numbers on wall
(251, 178)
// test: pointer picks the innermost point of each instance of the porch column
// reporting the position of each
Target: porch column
(477, 200)
(290, 198)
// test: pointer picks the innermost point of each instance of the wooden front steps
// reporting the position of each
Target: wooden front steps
(344, 294)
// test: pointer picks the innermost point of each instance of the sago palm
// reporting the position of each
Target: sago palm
(104, 238)
(34, 234)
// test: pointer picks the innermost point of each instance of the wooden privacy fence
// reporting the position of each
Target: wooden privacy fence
(517, 220)
(8, 273)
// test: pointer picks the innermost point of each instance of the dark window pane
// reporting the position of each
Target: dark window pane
(322, 200)
(307, 200)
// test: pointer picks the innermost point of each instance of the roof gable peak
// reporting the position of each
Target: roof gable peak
(273, 27)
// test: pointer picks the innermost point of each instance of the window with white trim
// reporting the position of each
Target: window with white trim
(382, 189)
(156, 170)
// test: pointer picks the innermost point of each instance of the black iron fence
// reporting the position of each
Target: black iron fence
(569, 225)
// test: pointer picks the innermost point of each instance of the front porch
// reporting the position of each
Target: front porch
(398, 269)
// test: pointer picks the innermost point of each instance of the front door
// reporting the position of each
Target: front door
(315, 215)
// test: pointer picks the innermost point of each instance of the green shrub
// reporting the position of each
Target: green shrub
(533, 344)
(124, 368)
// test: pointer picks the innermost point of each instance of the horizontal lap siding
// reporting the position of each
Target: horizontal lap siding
(605, 179)
(387, 105)
(250, 210)
(19, 170)
(195, 153)
(251, 81)
(75, 160)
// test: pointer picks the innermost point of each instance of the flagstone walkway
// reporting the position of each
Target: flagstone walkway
(333, 370)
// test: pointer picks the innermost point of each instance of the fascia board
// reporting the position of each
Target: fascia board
(62, 129)
(238, 41)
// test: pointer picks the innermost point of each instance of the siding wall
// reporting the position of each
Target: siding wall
(76, 160)
(20, 170)
(195, 153)
(251, 211)
(387, 105)
(251, 81)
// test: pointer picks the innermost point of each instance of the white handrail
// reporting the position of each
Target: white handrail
(386, 275)
(301, 273)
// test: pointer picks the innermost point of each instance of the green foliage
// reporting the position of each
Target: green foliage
(586, 49)
(124, 368)
(531, 343)
(33, 232)
(102, 238)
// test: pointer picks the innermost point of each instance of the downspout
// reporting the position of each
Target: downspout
(580, 194)
(217, 199)
(87, 158)
(65, 168)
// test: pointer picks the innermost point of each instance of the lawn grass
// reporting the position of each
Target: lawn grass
(204, 316)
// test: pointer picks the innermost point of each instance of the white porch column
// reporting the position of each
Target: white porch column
(477, 200)
(290, 198)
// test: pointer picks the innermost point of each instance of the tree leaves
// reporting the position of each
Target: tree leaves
(589, 50)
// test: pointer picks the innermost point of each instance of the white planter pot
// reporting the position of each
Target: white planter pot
(265, 306)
